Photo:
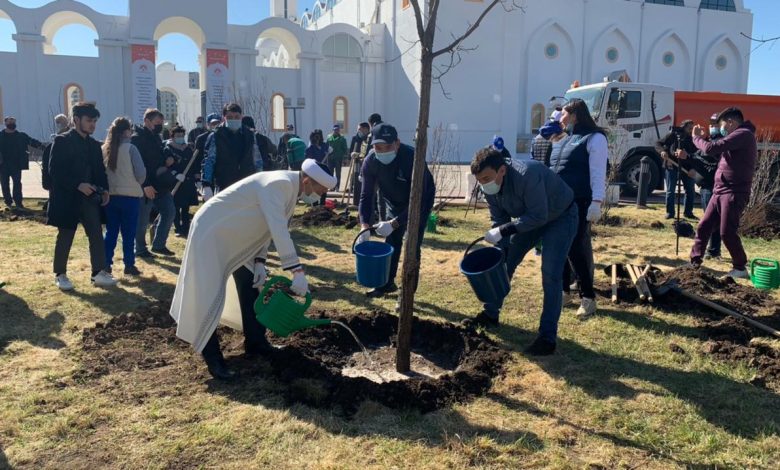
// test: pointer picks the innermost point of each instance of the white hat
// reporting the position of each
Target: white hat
(319, 172)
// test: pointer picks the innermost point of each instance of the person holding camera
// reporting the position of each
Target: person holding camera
(126, 173)
(680, 139)
(78, 190)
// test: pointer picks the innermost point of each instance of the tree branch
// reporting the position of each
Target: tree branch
(762, 41)
(473, 27)
(418, 18)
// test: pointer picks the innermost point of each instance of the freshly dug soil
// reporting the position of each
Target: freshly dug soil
(761, 222)
(15, 215)
(137, 355)
(322, 216)
(378, 365)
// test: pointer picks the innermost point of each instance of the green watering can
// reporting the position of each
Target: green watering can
(433, 221)
(283, 314)
(765, 273)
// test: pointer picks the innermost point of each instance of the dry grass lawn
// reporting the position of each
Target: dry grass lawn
(614, 396)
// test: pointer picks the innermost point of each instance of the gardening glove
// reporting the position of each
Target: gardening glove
(300, 286)
(260, 274)
(180, 177)
(594, 211)
(384, 229)
(207, 193)
(493, 235)
(363, 237)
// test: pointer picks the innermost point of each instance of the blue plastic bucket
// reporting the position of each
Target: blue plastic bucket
(372, 262)
(485, 269)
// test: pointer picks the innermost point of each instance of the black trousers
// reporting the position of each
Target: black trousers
(6, 177)
(182, 219)
(254, 332)
(89, 216)
(581, 255)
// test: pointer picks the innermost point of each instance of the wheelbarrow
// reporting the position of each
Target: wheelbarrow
(673, 285)
(283, 314)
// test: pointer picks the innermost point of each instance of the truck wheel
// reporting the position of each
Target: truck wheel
(630, 172)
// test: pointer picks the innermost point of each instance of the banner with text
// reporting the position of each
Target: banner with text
(217, 79)
(143, 79)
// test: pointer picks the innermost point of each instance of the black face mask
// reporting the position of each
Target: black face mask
(11, 127)
(158, 128)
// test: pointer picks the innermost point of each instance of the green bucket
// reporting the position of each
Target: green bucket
(283, 314)
(765, 273)
(433, 220)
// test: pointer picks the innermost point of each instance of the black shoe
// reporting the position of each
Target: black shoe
(381, 291)
(219, 370)
(132, 271)
(163, 251)
(669, 216)
(259, 348)
(483, 319)
(691, 217)
(540, 347)
(144, 255)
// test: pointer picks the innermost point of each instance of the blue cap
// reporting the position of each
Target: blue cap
(384, 134)
(336, 127)
(498, 142)
(213, 117)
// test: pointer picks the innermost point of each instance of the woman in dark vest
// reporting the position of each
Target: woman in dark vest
(579, 157)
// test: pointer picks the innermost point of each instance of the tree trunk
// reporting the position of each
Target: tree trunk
(410, 272)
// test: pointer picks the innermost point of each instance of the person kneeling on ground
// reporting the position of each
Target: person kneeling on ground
(388, 166)
(79, 188)
(230, 235)
(543, 209)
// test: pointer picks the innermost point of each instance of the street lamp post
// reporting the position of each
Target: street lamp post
(301, 104)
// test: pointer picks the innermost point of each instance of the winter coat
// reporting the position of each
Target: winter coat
(13, 147)
(151, 148)
(74, 160)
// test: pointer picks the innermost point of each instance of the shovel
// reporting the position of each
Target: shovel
(673, 285)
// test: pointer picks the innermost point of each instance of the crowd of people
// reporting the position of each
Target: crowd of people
(138, 185)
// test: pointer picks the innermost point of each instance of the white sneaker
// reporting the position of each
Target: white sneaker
(738, 274)
(103, 279)
(63, 282)
(587, 308)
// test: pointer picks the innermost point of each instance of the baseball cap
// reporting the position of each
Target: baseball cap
(498, 142)
(290, 127)
(384, 134)
(336, 127)
(214, 117)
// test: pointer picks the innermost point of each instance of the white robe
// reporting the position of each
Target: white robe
(231, 229)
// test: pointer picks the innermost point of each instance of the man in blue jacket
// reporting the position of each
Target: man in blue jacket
(528, 203)
(389, 166)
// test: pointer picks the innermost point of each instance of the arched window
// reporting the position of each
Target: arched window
(341, 112)
(537, 116)
(278, 113)
(72, 94)
(342, 54)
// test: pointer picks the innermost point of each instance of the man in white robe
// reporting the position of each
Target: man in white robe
(229, 235)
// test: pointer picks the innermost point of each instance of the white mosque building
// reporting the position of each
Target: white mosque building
(345, 59)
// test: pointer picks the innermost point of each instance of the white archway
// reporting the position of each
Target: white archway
(6, 20)
(278, 48)
(181, 25)
(669, 62)
(721, 68)
(612, 50)
(59, 20)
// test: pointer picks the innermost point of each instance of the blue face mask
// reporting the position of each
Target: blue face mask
(385, 158)
(723, 131)
(234, 124)
(714, 131)
(179, 140)
(490, 188)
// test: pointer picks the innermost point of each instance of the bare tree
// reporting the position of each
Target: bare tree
(766, 179)
(426, 24)
(446, 176)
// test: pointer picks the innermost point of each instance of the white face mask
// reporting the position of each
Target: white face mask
(234, 124)
(309, 199)
(490, 188)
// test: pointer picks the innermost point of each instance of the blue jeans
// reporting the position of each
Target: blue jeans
(164, 205)
(121, 216)
(671, 191)
(556, 237)
(714, 248)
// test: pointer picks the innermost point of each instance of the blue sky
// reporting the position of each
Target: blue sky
(183, 52)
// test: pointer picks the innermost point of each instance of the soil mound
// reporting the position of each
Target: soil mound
(15, 215)
(761, 222)
(141, 356)
(322, 216)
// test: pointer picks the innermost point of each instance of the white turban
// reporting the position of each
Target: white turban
(319, 173)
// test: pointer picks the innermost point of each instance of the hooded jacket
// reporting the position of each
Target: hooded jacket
(737, 164)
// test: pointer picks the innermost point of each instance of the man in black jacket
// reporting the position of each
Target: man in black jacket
(147, 140)
(355, 148)
(230, 154)
(679, 139)
(282, 147)
(79, 188)
(15, 159)
(196, 131)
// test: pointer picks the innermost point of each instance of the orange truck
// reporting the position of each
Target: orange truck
(638, 114)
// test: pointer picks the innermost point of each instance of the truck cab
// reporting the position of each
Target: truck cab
(635, 116)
